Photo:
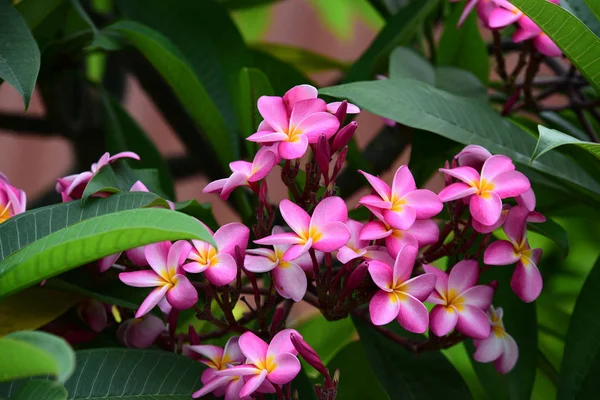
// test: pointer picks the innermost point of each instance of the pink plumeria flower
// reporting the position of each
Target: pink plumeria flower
(325, 231)
(167, 275)
(289, 277)
(403, 203)
(72, 187)
(244, 173)
(293, 124)
(498, 180)
(504, 14)
(275, 363)
(527, 200)
(140, 333)
(219, 266)
(499, 346)
(473, 156)
(12, 200)
(481, 228)
(529, 30)
(484, 10)
(358, 248)
(218, 359)
(459, 302)
(308, 92)
(526, 281)
(421, 233)
(400, 296)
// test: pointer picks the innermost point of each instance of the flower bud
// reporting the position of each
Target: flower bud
(343, 136)
(140, 332)
(94, 314)
(309, 355)
(340, 114)
(339, 163)
(193, 336)
(278, 316)
(357, 276)
(323, 155)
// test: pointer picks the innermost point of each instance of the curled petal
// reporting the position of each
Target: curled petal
(466, 174)
(499, 18)
(178, 253)
(527, 281)
(346, 254)
(234, 388)
(152, 300)
(467, 10)
(215, 186)
(379, 185)
(183, 294)
(253, 383)
(384, 307)
(403, 182)
(317, 124)
(456, 191)
(546, 46)
(374, 201)
(157, 255)
(267, 136)
(486, 208)
(442, 320)
(282, 343)
(106, 262)
(304, 109)
(489, 349)
(273, 110)
(232, 350)
(145, 278)
(509, 356)
(299, 93)
(280, 239)
(259, 264)
(515, 225)
(222, 271)
(333, 107)
(297, 250)
(413, 315)
(239, 370)
(194, 267)
(463, 276)
(214, 384)
(425, 203)
(473, 322)
(137, 256)
(500, 252)
(286, 370)
(381, 274)
(211, 352)
(374, 230)
(290, 281)
(230, 236)
(473, 155)
(479, 296)
(253, 347)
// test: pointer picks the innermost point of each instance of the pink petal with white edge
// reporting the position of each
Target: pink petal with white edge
(295, 216)
(499, 18)
(281, 343)
(372, 200)
(183, 294)
(546, 46)
(178, 253)
(233, 389)
(281, 239)
(290, 281)
(442, 320)
(489, 349)
(398, 240)
(479, 227)
(152, 300)
(239, 370)
(263, 165)
(287, 368)
(420, 287)
(315, 125)
(510, 184)
(495, 166)
(456, 191)
(124, 154)
(299, 93)
(509, 356)
(194, 267)
(500, 252)
(526, 281)
(293, 150)
(305, 108)
(223, 271)
(413, 315)
(328, 210)
(346, 254)
(273, 110)
(215, 186)
(333, 236)
(384, 308)
(297, 250)
(403, 182)
(213, 353)
(144, 278)
(267, 137)
(479, 296)
(230, 236)
(258, 264)
(232, 350)
(253, 383)
(374, 230)
(213, 384)
(466, 174)
(425, 231)
(333, 107)
(463, 276)
(425, 203)
(235, 180)
(473, 322)
(441, 282)
(402, 219)
(486, 208)
(515, 225)
(241, 166)
(157, 255)
(106, 262)
(253, 347)
(381, 274)
(379, 185)
(404, 263)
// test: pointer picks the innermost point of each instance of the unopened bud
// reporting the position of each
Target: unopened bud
(278, 316)
(339, 163)
(343, 136)
(94, 314)
(193, 335)
(357, 276)
(309, 355)
(340, 114)
(493, 284)
(323, 155)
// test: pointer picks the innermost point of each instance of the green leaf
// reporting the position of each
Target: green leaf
(357, 380)
(39, 389)
(399, 30)
(124, 134)
(23, 229)
(119, 177)
(92, 239)
(203, 212)
(407, 375)
(36, 11)
(550, 139)
(128, 374)
(305, 60)
(575, 39)
(520, 322)
(282, 75)
(190, 90)
(31, 353)
(237, 4)
(554, 232)
(19, 53)
(583, 9)
(253, 84)
(421, 106)
(581, 361)
(464, 47)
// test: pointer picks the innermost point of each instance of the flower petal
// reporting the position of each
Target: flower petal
(305, 108)
(375, 201)
(546, 46)
(253, 347)
(144, 278)
(499, 18)
(374, 230)
(290, 281)
(222, 270)
(384, 307)
(267, 137)
(510, 184)
(479, 296)
(281, 239)
(442, 320)
(473, 322)
(526, 280)
(398, 240)
(273, 110)
(496, 165)
(463, 276)
(232, 350)
(215, 383)
(489, 349)
(281, 343)
(234, 388)
(402, 219)
(183, 294)
(425, 203)
(290, 150)
(382, 275)
(420, 287)
(473, 155)
(297, 250)
(379, 185)
(332, 236)
(404, 263)
(106, 262)
(333, 107)
(403, 182)
(509, 356)
(152, 300)
(239, 370)
(194, 267)
(486, 208)
(230, 236)
(137, 256)
(500, 252)
(425, 231)
(515, 225)
(157, 255)
(456, 191)
(259, 264)
(346, 254)
(413, 315)
(213, 353)
(466, 174)
(328, 210)
(441, 282)
(253, 383)
(178, 253)
(296, 217)
(299, 93)
(317, 124)
(286, 370)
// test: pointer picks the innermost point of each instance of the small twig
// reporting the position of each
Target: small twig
(500, 63)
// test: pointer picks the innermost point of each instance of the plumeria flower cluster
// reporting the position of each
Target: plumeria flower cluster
(498, 14)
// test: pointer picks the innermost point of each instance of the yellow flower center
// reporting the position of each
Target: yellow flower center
(4, 212)
(397, 203)
(483, 187)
